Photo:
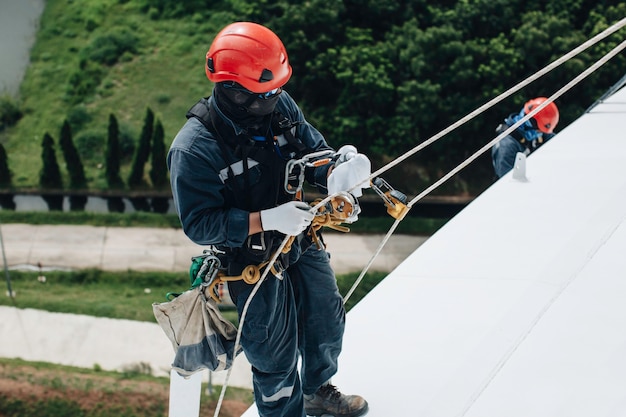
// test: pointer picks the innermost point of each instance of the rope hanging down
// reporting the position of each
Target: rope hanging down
(431, 140)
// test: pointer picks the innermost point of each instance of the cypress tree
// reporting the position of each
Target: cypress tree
(113, 154)
(50, 176)
(158, 171)
(142, 154)
(74, 165)
(5, 172)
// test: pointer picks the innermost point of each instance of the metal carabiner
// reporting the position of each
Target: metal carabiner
(294, 170)
(211, 265)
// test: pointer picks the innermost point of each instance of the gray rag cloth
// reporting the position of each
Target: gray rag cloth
(202, 338)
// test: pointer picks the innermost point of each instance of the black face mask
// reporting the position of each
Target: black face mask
(244, 107)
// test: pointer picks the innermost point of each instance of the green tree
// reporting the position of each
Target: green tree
(73, 162)
(363, 71)
(5, 172)
(50, 176)
(142, 154)
(158, 171)
(113, 156)
(298, 25)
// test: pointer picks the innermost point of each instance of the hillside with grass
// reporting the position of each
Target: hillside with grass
(92, 59)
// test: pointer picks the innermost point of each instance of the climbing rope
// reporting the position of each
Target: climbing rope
(615, 27)
(485, 148)
(332, 218)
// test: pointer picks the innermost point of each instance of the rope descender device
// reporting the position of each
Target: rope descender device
(342, 208)
(394, 200)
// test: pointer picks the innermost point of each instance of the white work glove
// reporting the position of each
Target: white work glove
(290, 218)
(349, 173)
(345, 152)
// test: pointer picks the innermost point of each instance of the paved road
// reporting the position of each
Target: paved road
(146, 249)
(85, 341)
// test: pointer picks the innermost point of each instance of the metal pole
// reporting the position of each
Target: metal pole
(6, 267)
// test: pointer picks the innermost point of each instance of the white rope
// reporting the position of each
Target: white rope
(504, 95)
(582, 47)
(435, 185)
(536, 110)
(421, 146)
(244, 312)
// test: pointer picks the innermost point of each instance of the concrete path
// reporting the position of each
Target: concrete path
(146, 249)
(86, 341)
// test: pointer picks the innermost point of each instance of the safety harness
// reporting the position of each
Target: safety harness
(530, 143)
(287, 161)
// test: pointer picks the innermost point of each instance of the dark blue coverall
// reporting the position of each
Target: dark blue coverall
(300, 315)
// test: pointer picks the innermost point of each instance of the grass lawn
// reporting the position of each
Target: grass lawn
(124, 295)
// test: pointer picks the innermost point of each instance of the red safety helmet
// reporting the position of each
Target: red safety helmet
(250, 55)
(547, 118)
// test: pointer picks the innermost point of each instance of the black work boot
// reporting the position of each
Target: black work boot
(328, 401)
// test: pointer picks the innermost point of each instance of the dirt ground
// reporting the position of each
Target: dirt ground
(91, 392)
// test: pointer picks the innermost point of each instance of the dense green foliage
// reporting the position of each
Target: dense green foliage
(384, 75)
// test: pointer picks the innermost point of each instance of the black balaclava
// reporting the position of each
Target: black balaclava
(247, 110)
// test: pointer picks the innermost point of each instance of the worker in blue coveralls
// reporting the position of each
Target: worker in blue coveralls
(527, 138)
(227, 170)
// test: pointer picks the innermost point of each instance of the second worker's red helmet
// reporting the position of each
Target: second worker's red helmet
(547, 118)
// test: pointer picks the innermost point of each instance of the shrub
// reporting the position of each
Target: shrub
(108, 48)
(163, 98)
(78, 116)
(83, 82)
(10, 112)
(90, 144)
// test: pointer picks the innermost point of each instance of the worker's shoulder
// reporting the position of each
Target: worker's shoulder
(193, 135)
